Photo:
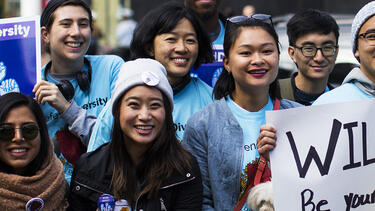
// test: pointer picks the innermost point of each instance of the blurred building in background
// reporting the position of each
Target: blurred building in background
(107, 21)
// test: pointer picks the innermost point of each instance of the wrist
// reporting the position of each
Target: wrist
(64, 107)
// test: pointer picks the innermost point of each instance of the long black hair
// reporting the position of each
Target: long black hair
(165, 155)
(13, 100)
(225, 84)
(163, 20)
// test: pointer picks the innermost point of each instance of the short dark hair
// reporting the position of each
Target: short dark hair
(13, 100)
(225, 83)
(163, 20)
(308, 21)
(47, 17)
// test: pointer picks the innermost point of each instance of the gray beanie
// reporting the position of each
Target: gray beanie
(147, 72)
(360, 18)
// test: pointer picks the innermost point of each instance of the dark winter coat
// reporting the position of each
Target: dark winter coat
(92, 176)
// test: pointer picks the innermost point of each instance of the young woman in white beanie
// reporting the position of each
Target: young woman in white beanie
(172, 35)
(144, 163)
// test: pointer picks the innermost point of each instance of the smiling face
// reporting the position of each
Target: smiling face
(319, 66)
(142, 115)
(18, 153)
(253, 60)
(70, 34)
(177, 50)
(366, 52)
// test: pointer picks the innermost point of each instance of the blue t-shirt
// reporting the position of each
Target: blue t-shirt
(344, 93)
(192, 98)
(104, 75)
(210, 72)
(250, 123)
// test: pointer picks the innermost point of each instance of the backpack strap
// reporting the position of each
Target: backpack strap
(286, 89)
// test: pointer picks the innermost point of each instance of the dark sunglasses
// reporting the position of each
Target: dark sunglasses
(261, 17)
(8, 131)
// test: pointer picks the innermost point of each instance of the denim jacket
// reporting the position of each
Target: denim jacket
(215, 138)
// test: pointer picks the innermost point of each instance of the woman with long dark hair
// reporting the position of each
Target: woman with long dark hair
(172, 35)
(223, 135)
(28, 166)
(144, 163)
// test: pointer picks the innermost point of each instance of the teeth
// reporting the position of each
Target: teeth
(74, 45)
(259, 71)
(18, 150)
(142, 127)
(180, 60)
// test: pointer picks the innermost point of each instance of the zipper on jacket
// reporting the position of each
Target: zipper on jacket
(177, 183)
(165, 187)
(88, 187)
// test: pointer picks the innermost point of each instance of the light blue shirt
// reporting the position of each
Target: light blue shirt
(250, 123)
(104, 75)
(344, 93)
(220, 38)
(192, 98)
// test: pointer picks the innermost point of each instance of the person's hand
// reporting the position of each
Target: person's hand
(266, 141)
(48, 92)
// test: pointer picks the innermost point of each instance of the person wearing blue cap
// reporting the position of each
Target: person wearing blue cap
(74, 87)
(359, 84)
(144, 163)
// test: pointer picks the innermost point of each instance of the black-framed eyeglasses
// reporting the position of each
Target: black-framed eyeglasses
(310, 51)
(369, 37)
(8, 131)
(261, 17)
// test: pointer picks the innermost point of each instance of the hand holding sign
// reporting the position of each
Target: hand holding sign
(266, 140)
(325, 157)
(49, 92)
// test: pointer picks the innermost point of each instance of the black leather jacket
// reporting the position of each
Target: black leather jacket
(92, 176)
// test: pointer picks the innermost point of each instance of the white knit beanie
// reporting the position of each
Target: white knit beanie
(147, 72)
(360, 18)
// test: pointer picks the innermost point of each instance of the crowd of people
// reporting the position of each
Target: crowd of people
(147, 130)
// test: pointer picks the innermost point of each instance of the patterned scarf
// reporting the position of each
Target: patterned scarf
(48, 184)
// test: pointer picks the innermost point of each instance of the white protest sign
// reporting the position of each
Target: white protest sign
(325, 157)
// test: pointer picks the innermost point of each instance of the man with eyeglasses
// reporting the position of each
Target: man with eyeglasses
(313, 46)
(360, 82)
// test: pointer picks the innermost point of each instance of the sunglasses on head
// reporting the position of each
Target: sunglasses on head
(8, 131)
(261, 17)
